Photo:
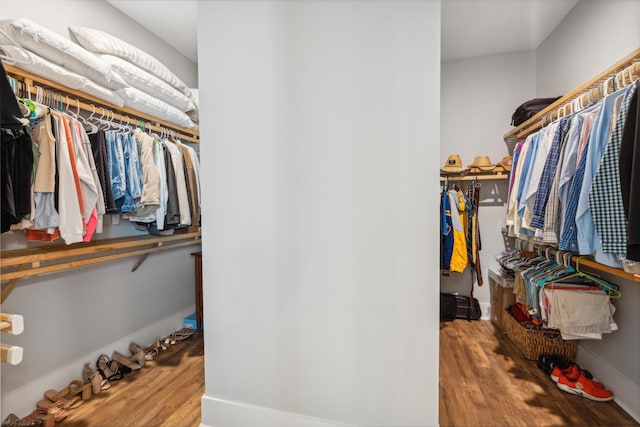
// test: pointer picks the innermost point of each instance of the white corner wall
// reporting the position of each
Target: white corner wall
(593, 36)
(58, 15)
(320, 250)
(478, 97)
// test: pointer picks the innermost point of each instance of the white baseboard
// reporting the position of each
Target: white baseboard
(625, 392)
(22, 401)
(485, 309)
(225, 413)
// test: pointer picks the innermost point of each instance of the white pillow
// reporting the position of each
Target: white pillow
(194, 115)
(31, 62)
(140, 101)
(100, 42)
(148, 83)
(61, 51)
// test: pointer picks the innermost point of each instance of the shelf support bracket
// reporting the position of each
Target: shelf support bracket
(6, 289)
(139, 262)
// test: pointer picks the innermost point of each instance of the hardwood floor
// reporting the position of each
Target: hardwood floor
(165, 393)
(485, 381)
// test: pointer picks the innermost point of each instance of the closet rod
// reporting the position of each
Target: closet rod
(93, 104)
(581, 92)
(586, 261)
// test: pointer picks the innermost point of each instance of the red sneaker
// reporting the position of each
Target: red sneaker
(572, 371)
(582, 386)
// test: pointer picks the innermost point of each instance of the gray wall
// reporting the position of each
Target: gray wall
(593, 36)
(321, 258)
(72, 317)
(478, 96)
(57, 15)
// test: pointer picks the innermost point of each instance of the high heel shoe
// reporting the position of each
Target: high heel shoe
(148, 355)
(70, 397)
(134, 363)
(109, 369)
(98, 384)
(13, 421)
(51, 408)
(46, 419)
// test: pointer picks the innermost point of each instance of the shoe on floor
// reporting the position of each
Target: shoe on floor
(13, 421)
(572, 371)
(583, 386)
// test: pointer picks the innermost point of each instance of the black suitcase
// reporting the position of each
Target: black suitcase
(528, 109)
(458, 307)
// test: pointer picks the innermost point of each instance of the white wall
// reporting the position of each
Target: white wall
(583, 45)
(73, 317)
(58, 15)
(593, 36)
(321, 254)
(478, 98)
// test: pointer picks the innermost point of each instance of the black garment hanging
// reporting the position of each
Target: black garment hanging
(172, 215)
(16, 157)
(630, 175)
(9, 108)
(99, 149)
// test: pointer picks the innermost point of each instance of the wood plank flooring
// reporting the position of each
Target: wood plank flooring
(485, 381)
(165, 393)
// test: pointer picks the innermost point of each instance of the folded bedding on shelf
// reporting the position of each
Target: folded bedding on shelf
(33, 63)
(148, 83)
(100, 42)
(145, 103)
(59, 50)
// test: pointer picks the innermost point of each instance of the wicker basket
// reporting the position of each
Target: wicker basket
(534, 342)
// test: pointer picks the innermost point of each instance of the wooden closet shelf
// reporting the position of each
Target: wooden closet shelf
(473, 177)
(75, 98)
(592, 89)
(21, 263)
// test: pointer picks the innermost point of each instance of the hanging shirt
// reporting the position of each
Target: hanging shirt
(513, 198)
(569, 234)
(446, 231)
(548, 174)
(459, 253)
(587, 235)
(552, 214)
(514, 166)
(158, 158)
(527, 170)
(544, 147)
(605, 197)
(181, 183)
(46, 216)
(192, 186)
(150, 195)
(132, 174)
(70, 203)
(630, 174)
(100, 205)
(569, 160)
(100, 157)
(116, 167)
